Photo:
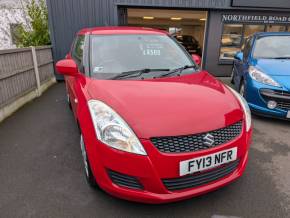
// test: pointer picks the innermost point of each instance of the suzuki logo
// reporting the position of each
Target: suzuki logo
(208, 140)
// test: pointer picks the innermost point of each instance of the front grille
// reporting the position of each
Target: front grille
(283, 105)
(199, 179)
(125, 180)
(281, 97)
(190, 143)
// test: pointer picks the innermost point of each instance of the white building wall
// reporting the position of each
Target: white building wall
(11, 12)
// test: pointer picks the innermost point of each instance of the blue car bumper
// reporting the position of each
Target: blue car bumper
(258, 102)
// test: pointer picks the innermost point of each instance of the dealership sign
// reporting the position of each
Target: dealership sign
(266, 19)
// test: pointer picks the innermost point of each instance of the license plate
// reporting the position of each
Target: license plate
(288, 114)
(208, 161)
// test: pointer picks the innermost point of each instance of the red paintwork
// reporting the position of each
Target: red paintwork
(196, 58)
(161, 107)
(153, 107)
(121, 30)
(67, 67)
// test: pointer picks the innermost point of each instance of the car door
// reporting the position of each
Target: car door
(72, 82)
(241, 66)
(246, 59)
(237, 68)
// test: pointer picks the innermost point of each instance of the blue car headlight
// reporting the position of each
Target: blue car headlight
(261, 77)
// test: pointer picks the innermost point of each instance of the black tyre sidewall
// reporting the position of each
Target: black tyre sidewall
(90, 177)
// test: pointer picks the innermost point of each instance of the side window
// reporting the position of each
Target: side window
(78, 49)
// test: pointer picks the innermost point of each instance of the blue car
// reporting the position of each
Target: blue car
(261, 73)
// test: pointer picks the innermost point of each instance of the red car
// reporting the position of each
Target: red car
(154, 127)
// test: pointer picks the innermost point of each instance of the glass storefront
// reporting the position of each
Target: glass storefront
(186, 26)
(231, 40)
(276, 28)
(234, 35)
(251, 29)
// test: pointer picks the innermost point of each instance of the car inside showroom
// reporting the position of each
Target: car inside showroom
(188, 27)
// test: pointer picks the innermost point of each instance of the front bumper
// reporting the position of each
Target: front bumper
(264, 111)
(258, 102)
(151, 169)
(167, 196)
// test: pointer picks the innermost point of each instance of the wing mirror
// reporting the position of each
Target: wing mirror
(67, 67)
(196, 59)
(239, 56)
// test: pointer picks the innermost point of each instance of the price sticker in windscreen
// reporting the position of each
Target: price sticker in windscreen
(151, 52)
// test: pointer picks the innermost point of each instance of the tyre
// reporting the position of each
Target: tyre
(68, 101)
(88, 172)
(233, 76)
(242, 89)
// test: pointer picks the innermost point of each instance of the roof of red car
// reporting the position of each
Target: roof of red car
(120, 30)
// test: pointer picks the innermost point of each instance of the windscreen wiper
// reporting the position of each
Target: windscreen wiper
(287, 57)
(136, 73)
(179, 70)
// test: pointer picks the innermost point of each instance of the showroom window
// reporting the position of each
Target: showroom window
(235, 34)
(231, 40)
(251, 29)
(276, 28)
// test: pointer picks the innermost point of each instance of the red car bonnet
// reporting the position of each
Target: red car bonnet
(171, 106)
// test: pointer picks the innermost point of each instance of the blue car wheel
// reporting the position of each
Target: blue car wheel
(233, 76)
(242, 88)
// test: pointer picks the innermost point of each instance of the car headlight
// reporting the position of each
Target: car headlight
(261, 77)
(112, 130)
(245, 107)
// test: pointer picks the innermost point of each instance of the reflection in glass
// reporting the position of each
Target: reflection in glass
(232, 35)
(113, 54)
(276, 28)
(228, 53)
(251, 29)
(272, 47)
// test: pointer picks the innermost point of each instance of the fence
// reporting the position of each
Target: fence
(24, 74)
